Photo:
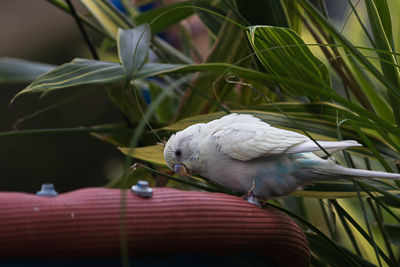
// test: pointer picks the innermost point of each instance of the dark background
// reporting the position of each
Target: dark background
(38, 31)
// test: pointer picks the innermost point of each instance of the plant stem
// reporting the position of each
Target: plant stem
(82, 30)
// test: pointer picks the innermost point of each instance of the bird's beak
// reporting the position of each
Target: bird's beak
(180, 170)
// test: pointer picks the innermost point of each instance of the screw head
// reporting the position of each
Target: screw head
(142, 189)
(47, 190)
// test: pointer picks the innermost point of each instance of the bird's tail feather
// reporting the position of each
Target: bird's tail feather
(336, 171)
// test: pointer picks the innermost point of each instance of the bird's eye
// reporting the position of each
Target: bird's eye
(178, 153)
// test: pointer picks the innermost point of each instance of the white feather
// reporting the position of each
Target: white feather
(244, 137)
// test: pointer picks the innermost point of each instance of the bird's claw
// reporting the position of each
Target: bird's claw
(252, 199)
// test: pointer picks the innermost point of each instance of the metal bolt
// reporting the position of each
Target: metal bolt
(142, 189)
(47, 191)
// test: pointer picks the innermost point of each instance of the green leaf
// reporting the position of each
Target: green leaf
(13, 70)
(163, 17)
(77, 72)
(108, 17)
(85, 71)
(285, 54)
(133, 46)
(152, 154)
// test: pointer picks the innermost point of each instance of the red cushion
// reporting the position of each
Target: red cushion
(86, 223)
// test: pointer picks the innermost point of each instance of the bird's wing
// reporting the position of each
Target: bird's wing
(245, 137)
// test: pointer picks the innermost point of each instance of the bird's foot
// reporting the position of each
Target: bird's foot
(251, 198)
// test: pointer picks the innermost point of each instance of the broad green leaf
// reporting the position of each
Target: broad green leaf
(108, 18)
(133, 46)
(153, 154)
(77, 72)
(85, 71)
(13, 70)
(285, 54)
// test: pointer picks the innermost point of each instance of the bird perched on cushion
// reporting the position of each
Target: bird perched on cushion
(247, 155)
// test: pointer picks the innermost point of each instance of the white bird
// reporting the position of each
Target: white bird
(242, 153)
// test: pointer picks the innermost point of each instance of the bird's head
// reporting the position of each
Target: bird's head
(181, 152)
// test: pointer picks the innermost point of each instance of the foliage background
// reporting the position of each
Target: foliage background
(358, 61)
(43, 33)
